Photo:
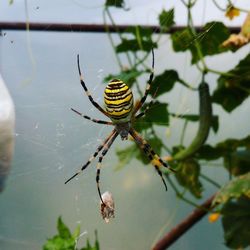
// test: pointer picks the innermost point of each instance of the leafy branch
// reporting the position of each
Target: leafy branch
(232, 90)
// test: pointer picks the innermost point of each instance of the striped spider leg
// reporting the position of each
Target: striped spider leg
(148, 86)
(104, 146)
(92, 119)
(155, 159)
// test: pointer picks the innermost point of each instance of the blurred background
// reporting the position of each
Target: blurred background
(40, 71)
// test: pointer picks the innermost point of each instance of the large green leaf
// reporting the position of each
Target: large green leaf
(163, 83)
(236, 223)
(238, 162)
(235, 152)
(209, 40)
(140, 32)
(233, 88)
(135, 45)
(208, 152)
(240, 186)
(115, 3)
(63, 230)
(125, 155)
(166, 19)
(157, 114)
(188, 176)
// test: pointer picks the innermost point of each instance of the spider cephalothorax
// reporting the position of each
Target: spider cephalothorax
(119, 107)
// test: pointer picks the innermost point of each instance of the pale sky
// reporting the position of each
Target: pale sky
(141, 11)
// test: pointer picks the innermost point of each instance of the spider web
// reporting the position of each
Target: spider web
(51, 143)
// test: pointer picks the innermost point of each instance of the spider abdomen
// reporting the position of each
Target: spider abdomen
(118, 99)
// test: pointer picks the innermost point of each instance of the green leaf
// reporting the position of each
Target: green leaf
(140, 32)
(236, 154)
(233, 144)
(207, 152)
(65, 241)
(166, 19)
(135, 45)
(114, 3)
(233, 88)
(188, 176)
(126, 155)
(238, 162)
(183, 40)
(58, 243)
(163, 83)
(128, 76)
(209, 40)
(240, 186)
(63, 230)
(236, 223)
(157, 114)
(76, 232)
(215, 123)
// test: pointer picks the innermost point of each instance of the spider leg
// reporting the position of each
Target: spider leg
(104, 152)
(151, 76)
(153, 157)
(91, 119)
(100, 147)
(146, 110)
(87, 91)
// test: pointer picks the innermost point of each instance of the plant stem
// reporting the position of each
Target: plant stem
(179, 194)
(111, 40)
(210, 180)
(183, 132)
(175, 233)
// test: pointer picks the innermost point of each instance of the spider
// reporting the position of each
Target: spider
(122, 112)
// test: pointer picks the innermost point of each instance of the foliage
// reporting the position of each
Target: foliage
(234, 199)
(232, 89)
(234, 86)
(209, 38)
(114, 3)
(236, 221)
(65, 240)
(166, 19)
(188, 176)
(234, 189)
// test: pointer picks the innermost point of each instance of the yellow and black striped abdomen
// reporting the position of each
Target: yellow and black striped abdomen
(118, 99)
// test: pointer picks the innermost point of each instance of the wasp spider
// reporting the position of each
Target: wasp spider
(122, 112)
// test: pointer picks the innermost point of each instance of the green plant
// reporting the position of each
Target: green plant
(65, 240)
(233, 88)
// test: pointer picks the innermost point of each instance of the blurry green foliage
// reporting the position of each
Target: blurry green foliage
(209, 38)
(65, 240)
(235, 188)
(135, 45)
(114, 3)
(235, 153)
(236, 221)
(188, 176)
(166, 19)
(233, 87)
(163, 83)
